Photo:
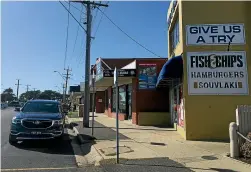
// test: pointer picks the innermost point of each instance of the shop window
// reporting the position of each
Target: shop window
(113, 100)
(174, 36)
(122, 100)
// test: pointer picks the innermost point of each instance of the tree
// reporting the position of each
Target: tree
(50, 95)
(47, 94)
(8, 95)
(29, 95)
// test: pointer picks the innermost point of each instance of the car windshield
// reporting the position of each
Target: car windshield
(43, 107)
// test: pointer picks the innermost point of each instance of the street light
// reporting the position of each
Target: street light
(59, 74)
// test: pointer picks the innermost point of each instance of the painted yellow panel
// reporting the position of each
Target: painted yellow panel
(208, 117)
(154, 118)
(181, 131)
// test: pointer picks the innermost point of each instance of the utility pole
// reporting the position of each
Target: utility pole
(27, 87)
(66, 82)
(18, 84)
(34, 93)
(93, 102)
(87, 56)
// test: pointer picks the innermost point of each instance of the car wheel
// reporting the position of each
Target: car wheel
(12, 140)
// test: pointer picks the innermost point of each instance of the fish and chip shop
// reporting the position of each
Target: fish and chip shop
(217, 73)
(209, 66)
(215, 34)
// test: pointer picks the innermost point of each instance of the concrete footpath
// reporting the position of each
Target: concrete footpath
(152, 147)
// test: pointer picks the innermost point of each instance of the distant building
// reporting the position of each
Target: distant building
(74, 88)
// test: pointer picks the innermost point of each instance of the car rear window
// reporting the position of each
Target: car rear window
(43, 107)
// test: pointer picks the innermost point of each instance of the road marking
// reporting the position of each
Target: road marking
(36, 169)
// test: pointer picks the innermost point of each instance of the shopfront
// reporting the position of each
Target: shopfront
(139, 100)
(170, 78)
(216, 65)
(125, 100)
(104, 82)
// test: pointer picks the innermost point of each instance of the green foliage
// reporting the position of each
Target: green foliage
(50, 94)
(29, 95)
(8, 95)
(73, 114)
(47, 94)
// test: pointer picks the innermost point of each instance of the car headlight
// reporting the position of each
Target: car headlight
(15, 120)
(58, 122)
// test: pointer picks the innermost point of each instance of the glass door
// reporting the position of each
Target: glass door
(129, 102)
(174, 102)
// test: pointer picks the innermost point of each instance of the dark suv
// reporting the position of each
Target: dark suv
(38, 119)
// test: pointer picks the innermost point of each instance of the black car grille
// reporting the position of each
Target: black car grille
(37, 124)
(35, 136)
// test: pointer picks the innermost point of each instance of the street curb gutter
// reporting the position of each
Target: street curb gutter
(236, 160)
(93, 157)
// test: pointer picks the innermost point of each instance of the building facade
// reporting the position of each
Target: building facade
(210, 42)
(139, 100)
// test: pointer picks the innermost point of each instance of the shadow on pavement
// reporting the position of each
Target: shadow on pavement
(101, 133)
(153, 129)
(162, 164)
(62, 146)
(149, 165)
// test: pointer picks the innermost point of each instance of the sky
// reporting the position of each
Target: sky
(33, 39)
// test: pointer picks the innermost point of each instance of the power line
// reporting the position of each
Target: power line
(67, 33)
(72, 16)
(80, 10)
(94, 15)
(79, 62)
(127, 34)
(77, 33)
(99, 24)
(81, 53)
(95, 33)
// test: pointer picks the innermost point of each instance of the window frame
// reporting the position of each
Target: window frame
(174, 35)
(113, 108)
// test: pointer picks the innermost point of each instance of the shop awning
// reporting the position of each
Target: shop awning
(171, 72)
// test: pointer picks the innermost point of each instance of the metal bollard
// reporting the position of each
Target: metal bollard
(234, 147)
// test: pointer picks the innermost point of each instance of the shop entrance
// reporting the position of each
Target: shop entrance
(129, 102)
(175, 94)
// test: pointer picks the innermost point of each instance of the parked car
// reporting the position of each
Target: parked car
(38, 119)
(4, 105)
(18, 107)
(14, 104)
